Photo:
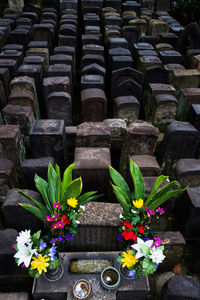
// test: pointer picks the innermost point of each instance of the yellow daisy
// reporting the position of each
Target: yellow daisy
(40, 263)
(138, 203)
(128, 259)
(72, 202)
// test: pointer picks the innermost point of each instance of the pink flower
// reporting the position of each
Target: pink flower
(60, 224)
(158, 242)
(54, 226)
(152, 212)
(49, 219)
(57, 205)
(13, 246)
(160, 210)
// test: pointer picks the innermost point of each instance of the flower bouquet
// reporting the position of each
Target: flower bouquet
(33, 253)
(143, 252)
(62, 205)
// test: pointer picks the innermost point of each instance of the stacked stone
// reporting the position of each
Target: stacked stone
(132, 82)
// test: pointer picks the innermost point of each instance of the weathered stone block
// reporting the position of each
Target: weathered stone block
(94, 105)
(16, 216)
(11, 143)
(56, 84)
(93, 49)
(117, 42)
(92, 58)
(127, 108)
(148, 165)
(180, 140)
(170, 57)
(9, 64)
(5, 78)
(93, 69)
(93, 134)
(186, 98)
(181, 287)
(157, 27)
(92, 165)
(15, 296)
(7, 177)
(155, 74)
(89, 81)
(148, 61)
(194, 116)
(185, 78)
(44, 52)
(59, 107)
(47, 138)
(38, 166)
(187, 172)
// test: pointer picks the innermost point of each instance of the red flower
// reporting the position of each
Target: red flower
(67, 222)
(129, 235)
(127, 224)
(64, 217)
(141, 228)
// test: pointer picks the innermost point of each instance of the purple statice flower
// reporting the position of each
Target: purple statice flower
(68, 236)
(131, 274)
(53, 240)
(145, 239)
(58, 239)
(36, 254)
(52, 252)
(22, 266)
(120, 237)
(42, 245)
(160, 210)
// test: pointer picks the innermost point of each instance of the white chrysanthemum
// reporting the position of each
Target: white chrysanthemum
(24, 237)
(140, 242)
(156, 256)
(120, 216)
(77, 222)
(24, 254)
(82, 207)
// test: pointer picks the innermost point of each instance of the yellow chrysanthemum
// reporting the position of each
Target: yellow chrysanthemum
(138, 203)
(40, 263)
(72, 202)
(128, 259)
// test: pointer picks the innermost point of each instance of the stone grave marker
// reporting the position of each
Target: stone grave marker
(7, 177)
(186, 98)
(127, 108)
(56, 84)
(94, 105)
(93, 134)
(187, 172)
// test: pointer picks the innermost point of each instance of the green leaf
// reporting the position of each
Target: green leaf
(119, 193)
(35, 237)
(120, 182)
(52, 188)
(42, 187)
(67, 178)
(33, 273)
(145, 250)
(74, 189)
(154, 204)
(85, 200)
(54, 263)
(148, 267)
(135, 220)
(137, 180)
(38, 203)
(58, 183)
(85, 196)
(157, 183)
(34, 210)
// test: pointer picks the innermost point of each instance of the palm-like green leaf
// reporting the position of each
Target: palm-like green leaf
(157, 183)
(52, 188)
(83, 202)
(120, 182)
(58, 183)
(138, 181)
(34, 210)
(67, 179)
(74, 189)
(121, 196)
(42, 187)
(38, 203)
(166, 188)
(154, 204)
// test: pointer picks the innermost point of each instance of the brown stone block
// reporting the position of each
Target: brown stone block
(93, 134)
(7, 177)
(11, 143)
(56, 84)
(127, 108)
(186, 98)
(187, 172)
(3, 97)
(94, 105)
(92, 165)
(22, 98)
(5, 78)
(148, 165)
(185, 78)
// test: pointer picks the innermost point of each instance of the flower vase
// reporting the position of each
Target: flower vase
(125, 273)
(54, 274)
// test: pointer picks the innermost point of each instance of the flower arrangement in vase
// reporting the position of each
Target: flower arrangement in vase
(62, 205)
(143, 251)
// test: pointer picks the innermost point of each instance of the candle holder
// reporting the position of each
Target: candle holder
(110, 278)
(82, 290)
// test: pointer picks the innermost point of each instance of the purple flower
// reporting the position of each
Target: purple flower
(151, 212)
(120, 237)
(68, 236)
(22, 266)
(52, 252)
(158, 242)
(57, 205)
(42, 245)
(131, 274)
(53, 240)
(58, 239)
(145, 239)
